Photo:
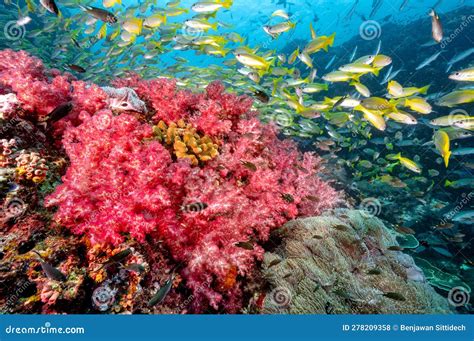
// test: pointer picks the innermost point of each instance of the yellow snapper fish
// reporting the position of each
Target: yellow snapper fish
(200, 24)
(293, 56)
(418, 104)
(155, 20)
(396, 90)
(111, 3)
(466, 75)
(211, 6)
(277, 29)
(381, 60)
(133, 25)
(374, 117)
(253, 61)
(359, 68)
(467, 124)
(320, 43)
(376, 103)
(340, 76)
(456, 97)
(406, 162)
(441, 141)
(306, 59)
(174, 12)
(281, 13)
(401, 116)
(368, 59)
(345, 102)
(361, 88)
(448, 120)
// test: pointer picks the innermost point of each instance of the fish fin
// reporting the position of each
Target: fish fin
(227, 3)
(424, 89)
(331, 39)
(376, 71)
(313, 32)
(446, 159)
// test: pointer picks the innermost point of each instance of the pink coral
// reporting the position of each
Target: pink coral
(26, 77)
(123, 182)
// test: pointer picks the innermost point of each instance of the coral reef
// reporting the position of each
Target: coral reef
(345, 262)
(130, 185)
(30, 166)
(196, 173)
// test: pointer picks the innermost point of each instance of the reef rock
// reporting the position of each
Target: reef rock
(345, 262)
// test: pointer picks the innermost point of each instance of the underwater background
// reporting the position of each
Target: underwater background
(364, 95)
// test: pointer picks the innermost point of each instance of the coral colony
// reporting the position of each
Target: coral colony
(194, 181)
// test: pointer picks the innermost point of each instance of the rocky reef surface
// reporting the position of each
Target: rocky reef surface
(345, 262)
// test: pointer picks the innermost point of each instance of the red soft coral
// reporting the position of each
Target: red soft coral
(26, 77)
(123, 182)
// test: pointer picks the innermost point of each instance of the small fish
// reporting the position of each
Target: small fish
(406, 162)
(249, 165)
(395, 248)
(100, 14)
(441, 141)
(194, 207)
(466, 75)
(135, 268)
(429, 60)
(50, 271)
(261, 96)
(394, 296)
(60, 112)
(163, 292)
(374, 272)
(77, 68)
(443, 226)
(273, 263)
(288, 197)
(245, 245)
(50, 6)
(436, 27)
(118, 257)
(404, 230)
(340, 227)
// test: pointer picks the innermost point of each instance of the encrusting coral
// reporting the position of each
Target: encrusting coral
(210, 181)
(186, 142)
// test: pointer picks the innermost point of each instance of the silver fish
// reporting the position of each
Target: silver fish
(429, 60)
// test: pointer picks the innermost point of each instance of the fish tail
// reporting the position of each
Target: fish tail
(446, 159)
(424, 89)
(376, 71)
(227, 3)
(331, 39)
(447, 183)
